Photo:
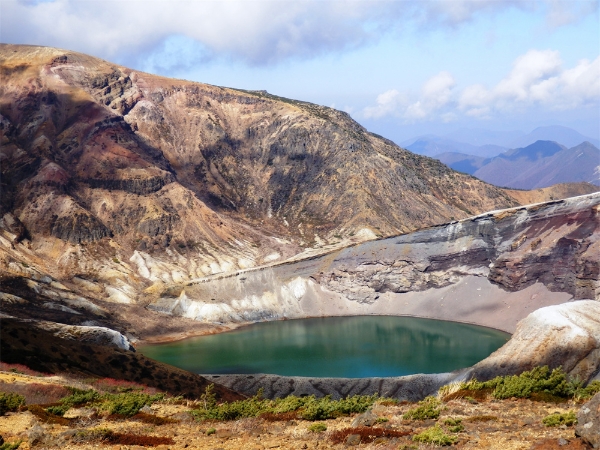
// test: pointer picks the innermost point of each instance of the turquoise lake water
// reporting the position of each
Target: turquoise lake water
(352, 347)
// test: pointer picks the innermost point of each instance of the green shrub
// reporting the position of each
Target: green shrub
(208, 398)
(78, 397)
(558, 419)
(308, 408)
(429, 408)
(58, 410)
(211, 431)
(589, 391)
(10, 402)
(10, 445)
(325, 408)
(434, 435)
(538, 380)
(127, 403)
(318, 427)
(124, 403)
(454, 425)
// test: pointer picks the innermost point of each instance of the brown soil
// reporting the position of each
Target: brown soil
(555, 192)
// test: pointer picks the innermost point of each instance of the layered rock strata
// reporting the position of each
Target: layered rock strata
(492, 270)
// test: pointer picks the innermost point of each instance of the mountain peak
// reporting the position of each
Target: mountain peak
(537, 150)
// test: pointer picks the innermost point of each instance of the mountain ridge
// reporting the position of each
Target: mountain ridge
(135, 164)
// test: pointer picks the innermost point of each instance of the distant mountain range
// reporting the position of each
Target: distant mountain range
(538, 165)
(488, 143)
(431, 145)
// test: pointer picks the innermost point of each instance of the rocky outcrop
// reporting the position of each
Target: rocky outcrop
(134, 186)
(88, 334)
(569, 265)
(588, 422)
(411, 388)
(566, 335)
(78, 228)
(14, 226)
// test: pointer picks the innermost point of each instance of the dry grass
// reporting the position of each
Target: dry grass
(152, 419)
(279, 417)
(484, 418)
(367, 434)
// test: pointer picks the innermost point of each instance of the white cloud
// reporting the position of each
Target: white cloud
(436, 93)
(388, 103)
(254, 31)
(537, 78)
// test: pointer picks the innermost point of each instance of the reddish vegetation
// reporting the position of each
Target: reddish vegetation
(481, 418)
(115, 386)
(367, 434)
(46, 417)
(20, 368)
(36, 393)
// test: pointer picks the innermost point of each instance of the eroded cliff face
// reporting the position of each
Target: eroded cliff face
(493, 269)
(130, 181)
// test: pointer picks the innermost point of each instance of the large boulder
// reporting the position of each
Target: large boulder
(566, 335)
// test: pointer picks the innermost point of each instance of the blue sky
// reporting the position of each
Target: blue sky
(401, 68)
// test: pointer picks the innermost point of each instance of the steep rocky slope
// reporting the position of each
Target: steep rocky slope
(29, 343)
(134, 179)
